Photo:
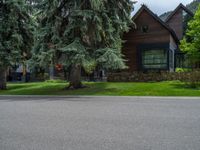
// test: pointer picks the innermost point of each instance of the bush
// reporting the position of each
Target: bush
(40, 77)
(191, 78)
(183, 69)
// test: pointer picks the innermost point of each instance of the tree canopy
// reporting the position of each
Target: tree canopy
(15, 30)
(190, 43)
(16, 35)
(83, 33)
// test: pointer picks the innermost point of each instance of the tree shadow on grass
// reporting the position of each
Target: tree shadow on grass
(17, 87)
(92, 88)
(182, 85)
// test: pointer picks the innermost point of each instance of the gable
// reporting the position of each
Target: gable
(181, 9)
(178, 20)
(145, 19)
(156, 27)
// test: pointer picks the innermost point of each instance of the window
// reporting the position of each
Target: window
(154, 59)
(145, 28)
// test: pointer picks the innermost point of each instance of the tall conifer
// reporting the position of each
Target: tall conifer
(82, 34)
(16, 36)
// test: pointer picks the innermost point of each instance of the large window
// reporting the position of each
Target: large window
(182, 61)
(154, 59)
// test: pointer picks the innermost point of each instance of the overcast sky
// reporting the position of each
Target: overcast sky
(161, 6)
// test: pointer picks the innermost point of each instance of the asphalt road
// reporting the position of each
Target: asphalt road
(99, 123)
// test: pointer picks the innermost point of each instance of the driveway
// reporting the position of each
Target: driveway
(99, 123)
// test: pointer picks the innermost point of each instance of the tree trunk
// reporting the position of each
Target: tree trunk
(51, 72)
(3, 78)
(24, 73)
(75, 77)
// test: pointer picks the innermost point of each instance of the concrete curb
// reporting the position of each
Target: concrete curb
(85, 96)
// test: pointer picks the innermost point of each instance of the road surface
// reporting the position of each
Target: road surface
(99, 123)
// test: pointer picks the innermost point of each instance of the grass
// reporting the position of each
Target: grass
(172, 88)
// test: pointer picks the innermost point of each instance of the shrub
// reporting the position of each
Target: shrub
(183, 69)
(191, 78)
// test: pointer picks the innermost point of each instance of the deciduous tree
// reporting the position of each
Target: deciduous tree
(191, 42)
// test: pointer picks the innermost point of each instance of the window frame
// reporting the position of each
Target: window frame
(152, 62)
(156, 46)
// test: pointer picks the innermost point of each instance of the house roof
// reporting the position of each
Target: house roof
(180, 6)
(144, 7)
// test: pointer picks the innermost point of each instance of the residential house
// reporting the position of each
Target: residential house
(153, 44)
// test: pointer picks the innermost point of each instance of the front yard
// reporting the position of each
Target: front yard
(172, 88)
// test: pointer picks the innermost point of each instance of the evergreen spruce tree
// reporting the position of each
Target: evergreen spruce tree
(82, 34)
(34, 6)
(15, 35)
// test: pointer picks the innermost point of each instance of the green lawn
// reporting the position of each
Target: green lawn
(173, 88)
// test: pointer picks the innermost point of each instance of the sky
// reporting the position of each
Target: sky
(160, 6)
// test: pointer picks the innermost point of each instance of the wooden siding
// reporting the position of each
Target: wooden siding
(176, 23)
(135, 37)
